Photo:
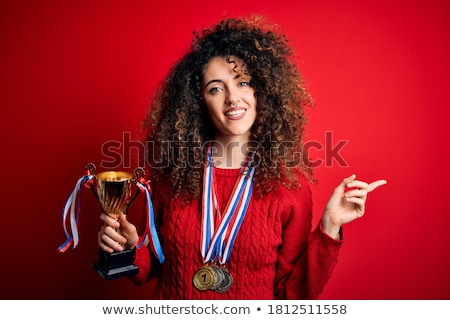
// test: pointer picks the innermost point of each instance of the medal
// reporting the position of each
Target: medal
(220, 277)
(204, 278)
(226, 283)
(219, 230)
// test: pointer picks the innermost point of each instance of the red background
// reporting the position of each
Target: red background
(76, 74)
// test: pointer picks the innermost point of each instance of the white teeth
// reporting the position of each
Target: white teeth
(234, 112)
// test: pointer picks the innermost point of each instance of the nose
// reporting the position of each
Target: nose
(232, 98)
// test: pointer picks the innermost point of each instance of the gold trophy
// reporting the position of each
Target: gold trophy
(116, 191)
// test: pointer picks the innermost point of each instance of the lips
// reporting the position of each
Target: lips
(235, 113)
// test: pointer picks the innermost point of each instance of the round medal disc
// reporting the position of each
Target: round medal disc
(226, 283)
(204, 278)
(220, 277)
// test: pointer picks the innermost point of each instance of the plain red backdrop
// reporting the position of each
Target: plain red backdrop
(76, 74)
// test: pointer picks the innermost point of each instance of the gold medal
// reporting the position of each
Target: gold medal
(204, 278)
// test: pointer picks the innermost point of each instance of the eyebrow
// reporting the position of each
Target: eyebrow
(212, 81)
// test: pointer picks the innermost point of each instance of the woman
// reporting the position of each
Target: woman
(231, 185)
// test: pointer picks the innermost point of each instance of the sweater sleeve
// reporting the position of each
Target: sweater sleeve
(142, 260)
(306, 259)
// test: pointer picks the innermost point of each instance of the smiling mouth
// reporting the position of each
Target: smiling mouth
(235, 112)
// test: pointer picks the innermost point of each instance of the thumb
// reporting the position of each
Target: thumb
(124, 223)
(128, 229)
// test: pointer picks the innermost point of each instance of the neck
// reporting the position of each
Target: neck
(230, 152)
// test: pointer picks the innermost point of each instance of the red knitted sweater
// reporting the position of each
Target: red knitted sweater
(275, 254)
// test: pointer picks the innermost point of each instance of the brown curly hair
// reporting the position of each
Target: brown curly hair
(178, 127)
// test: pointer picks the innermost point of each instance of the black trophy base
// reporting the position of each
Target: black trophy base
(117, 264)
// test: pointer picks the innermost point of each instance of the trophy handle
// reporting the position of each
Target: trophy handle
(90, 169)
(139, 173)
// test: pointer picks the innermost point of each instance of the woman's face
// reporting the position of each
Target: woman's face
(230, 100)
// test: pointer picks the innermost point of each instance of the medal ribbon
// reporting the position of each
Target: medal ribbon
(217, 243)
(71, 213)
(150, 225)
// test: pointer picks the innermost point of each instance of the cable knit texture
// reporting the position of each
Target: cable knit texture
(275, 254)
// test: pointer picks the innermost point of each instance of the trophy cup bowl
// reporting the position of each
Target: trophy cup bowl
(115, 190)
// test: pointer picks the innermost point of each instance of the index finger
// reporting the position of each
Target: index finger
(372, 186)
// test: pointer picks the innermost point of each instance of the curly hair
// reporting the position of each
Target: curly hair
(178, 125)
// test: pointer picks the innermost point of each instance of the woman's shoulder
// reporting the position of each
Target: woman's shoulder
(291, 202)
(298, 184)
(295, 193)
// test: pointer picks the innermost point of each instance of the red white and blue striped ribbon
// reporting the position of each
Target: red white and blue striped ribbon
(71, 213)
(239, 218)
(219, 232)
(150, 225)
